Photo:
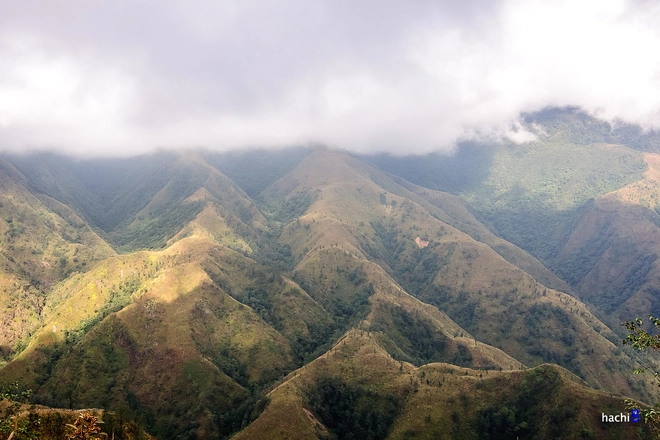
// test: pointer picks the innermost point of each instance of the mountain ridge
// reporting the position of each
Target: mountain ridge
(239, 297)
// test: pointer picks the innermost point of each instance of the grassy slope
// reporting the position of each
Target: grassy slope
(134, 331)
(433, 401)
(579, 128)
(145, 333)
(106, 192)
(455, 212)
(254, 170)
(534, 194)
(181, 345)
(192, 185)
(582, 199)
(141, 202)
(495, 301)
(42, 242)
(612, 254)
(209, 325)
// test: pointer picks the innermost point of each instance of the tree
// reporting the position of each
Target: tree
(643, 341)
(10, 423)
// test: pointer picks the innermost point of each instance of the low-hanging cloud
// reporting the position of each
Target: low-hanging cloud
(108, 78)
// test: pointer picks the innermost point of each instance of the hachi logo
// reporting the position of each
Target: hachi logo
(634, 417)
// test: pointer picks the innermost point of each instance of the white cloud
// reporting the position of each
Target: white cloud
(125, 78)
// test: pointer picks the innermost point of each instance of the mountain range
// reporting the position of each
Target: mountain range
(311, 293)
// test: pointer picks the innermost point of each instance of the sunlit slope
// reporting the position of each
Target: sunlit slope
(172, 348)
(195, 330)
(358, 293)
(205, 326)
(611, 256)
(42, 242)
(345, 215)
(358, 389)
(224, 300)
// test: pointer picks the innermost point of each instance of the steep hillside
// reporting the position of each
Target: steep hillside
(455, 212)
(192, 186)
(198, 329)
(582, 199)
(611, 255)
(42, 242)
(531, 194)
(139, 202)
(254, 170)
(335, 396)
(579, 128)
(337, 286)
(151, 334)
(348, 222)
(105, 192)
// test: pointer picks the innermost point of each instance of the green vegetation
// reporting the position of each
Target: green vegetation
(522, 414)
(462, 171)
(106, 192)
(22, 421)
(352, 412)
(10, 422)
(154, 232)
(290, 208)
(297, 307)
(648, 343)
(545, 321)
(165, 215)
(240, 416)
(535, 194)
(418, 339)
(350, 304)
(120, 296)
(413, 267)
(576, 126)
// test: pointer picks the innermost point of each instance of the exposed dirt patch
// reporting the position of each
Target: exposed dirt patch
(421, 243)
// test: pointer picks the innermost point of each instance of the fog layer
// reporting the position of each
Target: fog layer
(118, 78)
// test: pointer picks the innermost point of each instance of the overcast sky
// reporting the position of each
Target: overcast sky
(113, 77)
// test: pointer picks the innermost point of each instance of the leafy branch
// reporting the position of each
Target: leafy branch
(643, 341)
(9, 418)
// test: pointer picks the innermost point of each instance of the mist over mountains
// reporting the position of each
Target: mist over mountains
(311, 293)
(118, 79)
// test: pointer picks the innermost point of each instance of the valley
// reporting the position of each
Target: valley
(311, 293)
